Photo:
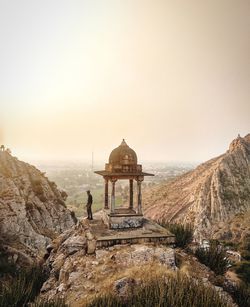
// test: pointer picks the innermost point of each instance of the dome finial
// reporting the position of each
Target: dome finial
(123, 142)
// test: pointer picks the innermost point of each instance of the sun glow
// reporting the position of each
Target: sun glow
(169, 77)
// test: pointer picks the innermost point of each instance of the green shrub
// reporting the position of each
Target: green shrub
(245, 248)
(246, 255)
(166, 291)
(6, 266)
(23, 288)
(214, 257)
(242, 269)
(183, 233)
(240, 294)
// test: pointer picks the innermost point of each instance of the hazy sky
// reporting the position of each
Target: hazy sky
(171, 77)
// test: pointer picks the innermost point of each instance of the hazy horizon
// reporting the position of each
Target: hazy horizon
(101, 163)
(171, 77)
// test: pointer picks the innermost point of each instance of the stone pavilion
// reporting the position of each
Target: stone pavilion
(123, 165)
(125, 224)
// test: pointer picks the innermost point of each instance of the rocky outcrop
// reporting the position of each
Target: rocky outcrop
(78, 273)
(210, 196)
(32, 208)
(120, 270)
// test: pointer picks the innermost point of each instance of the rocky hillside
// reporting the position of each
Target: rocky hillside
(79, 271)
(32, 209)
(215, 197)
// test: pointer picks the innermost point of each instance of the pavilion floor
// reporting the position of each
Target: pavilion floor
(121, 211)
(150, 232)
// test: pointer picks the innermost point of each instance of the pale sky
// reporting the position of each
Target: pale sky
(171, 77)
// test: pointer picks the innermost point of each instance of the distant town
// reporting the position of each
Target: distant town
(75, 178)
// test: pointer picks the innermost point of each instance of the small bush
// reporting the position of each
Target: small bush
(61, 202)
(183, 233)
(37, 186)
(245, 248)
(64, 195)
(73, 215)
(214, 257)
(6, 266)
(246, 254)
(240, 294)
(23, 288)
(166, 291)
(242, 269)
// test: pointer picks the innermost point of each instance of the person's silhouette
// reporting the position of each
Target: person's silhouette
(89, 206)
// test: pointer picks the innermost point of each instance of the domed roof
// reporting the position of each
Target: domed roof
(123, 155)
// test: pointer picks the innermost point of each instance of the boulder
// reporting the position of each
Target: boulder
(125, 286)
(91, 247)
(75, 244)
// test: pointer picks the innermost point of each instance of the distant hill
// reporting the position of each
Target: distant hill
(215, 197)
(32, 209)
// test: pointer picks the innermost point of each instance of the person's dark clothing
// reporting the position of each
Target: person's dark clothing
(89, 207)
(89, 212)
(90, 199)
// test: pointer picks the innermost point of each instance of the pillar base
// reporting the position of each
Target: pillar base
(121, 220)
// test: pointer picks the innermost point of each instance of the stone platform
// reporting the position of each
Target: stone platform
(122, 218)
(149, 232)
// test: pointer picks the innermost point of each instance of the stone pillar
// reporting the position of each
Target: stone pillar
(131, 193)
(113, 195)
(139, 204)
(106, 194)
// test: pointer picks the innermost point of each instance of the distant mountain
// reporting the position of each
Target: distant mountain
(215, 197)
(32, 209)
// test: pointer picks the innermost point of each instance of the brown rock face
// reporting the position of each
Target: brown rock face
(79, 275)
(210, 197)
(32, 209)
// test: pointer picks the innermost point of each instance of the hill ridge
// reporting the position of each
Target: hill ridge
(32, 208)
(210, 195)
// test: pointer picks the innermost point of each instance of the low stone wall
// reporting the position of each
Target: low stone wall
(122, 222)
(100, 243)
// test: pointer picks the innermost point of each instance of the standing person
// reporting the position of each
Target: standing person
(89, 206)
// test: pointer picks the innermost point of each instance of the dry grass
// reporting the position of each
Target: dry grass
(163, 288)
(143, 273)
